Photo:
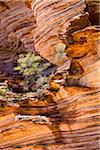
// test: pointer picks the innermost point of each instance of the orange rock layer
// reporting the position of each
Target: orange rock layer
(75, 124)
(54, 18)
(74, 110)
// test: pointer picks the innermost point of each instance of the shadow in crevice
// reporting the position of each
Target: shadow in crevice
(93, 8)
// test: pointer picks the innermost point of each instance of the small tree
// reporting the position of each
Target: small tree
(31, 66)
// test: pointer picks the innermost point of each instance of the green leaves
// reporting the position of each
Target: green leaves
(2, 91)
(31, 66)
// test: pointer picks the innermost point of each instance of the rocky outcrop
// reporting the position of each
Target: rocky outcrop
(71, 114)
(16, 24)
(54, 19)
(74, 118)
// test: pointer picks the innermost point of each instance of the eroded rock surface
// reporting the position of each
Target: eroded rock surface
(75, 123)
(54, 19)
(16, 23)
(73, 110)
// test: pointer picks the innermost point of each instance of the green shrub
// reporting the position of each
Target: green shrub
(31, 66)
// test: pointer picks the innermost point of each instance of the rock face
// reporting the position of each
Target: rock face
(54, 19)
(94, 11)
(74, 110)
(75, 123)
(16, 23)
(85, 51)
(20, 30)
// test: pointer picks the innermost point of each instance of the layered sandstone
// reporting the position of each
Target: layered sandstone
(73, 110)
(16, 23)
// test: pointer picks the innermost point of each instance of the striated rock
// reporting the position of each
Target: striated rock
(75, 124)
(61, 17)
(74, 110)
(55, 18)
(16, 23)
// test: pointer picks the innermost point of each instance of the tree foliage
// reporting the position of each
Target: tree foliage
(31, 66)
